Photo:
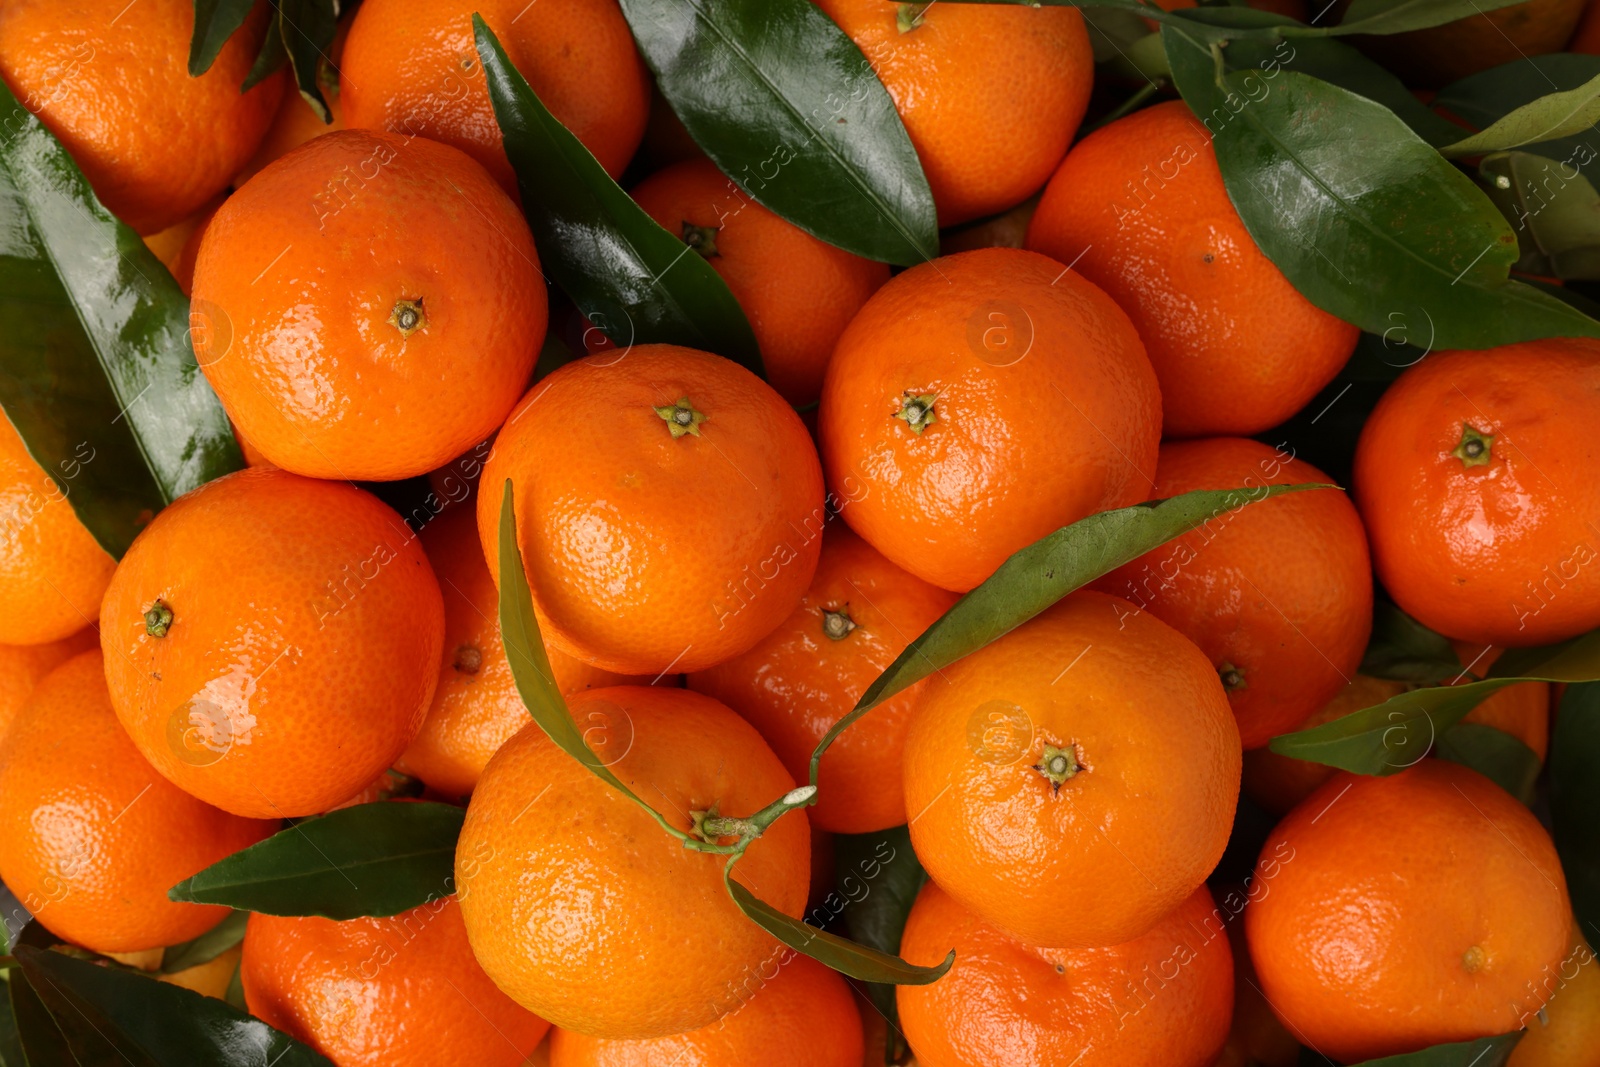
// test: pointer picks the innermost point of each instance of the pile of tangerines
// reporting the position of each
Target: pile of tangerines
(721, 565)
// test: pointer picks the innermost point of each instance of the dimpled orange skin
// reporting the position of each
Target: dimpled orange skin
(648, 552)
(1120, 843)
(803, 1016)
(110, 79)
(476, 707)
(799, 293)
(299, 661)
(301, 271)
(1237, 349)
(53, 572)
(1569, 1033)
(1503, 552)
(91, 837)
(1164, 997)
(588, 913)
(402, 991)
(1279, 592)
(1027, 363)
(403, 70)
(22, 666)
(293, 125)
(798, 681)
(955, 77)
(1407, 911)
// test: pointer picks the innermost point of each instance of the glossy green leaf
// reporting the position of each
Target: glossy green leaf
(1400, 16)
(1034, 578)
(96, 370)
(371, 859)
(1403, 649)
(876, 880)
(1556, 115)
(1484, 98)
(214, 22)
(307, 28)
(843, 955)
(1574, 799)
(633, 279)
(815, 136)
(1391, 736)
(147, 1023)
(1554, 208)
(1363, 217)
(1485, 1052)
(37, 1033)
(1495, 754)
(207, 947)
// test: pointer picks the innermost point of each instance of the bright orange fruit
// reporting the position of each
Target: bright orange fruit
(22, 667)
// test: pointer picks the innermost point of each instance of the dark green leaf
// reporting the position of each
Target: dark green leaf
(815, 136)
(372, 859)
(1554, 208)
(633, 279)
(235, 993)
(1485, 1052)
(1403, 649)
(214, 23)
(11, 1054)
(843, 955)
(307, 28)
(1574, 799)
(271, 58)
(1495, 754)
(877, 878)
(40, 1038)
(1399, 16)
(1552, 116)
(98, 375)
(207, 947)
(1392, 736)
(1364, 218)
(1484, 98)
(147, 1023)
(1036, 577)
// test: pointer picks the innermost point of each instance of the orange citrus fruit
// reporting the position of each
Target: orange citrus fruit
(1163, 997)
(1407, 911)
(368, 306)
(578, 56)
(797, 682)
(1138, 207)
(109, 78)
(1567, 1032)
(1278, 783)
(402, 991)
(91, 837)
(22, 666)
(1277, 594)
(956, 71)
(272, 641)
(803, 1015)
(953, 395)
(669, 504)
(587, 912)
(1061, 788)
(53, 572)
(1473, 475)
(798, 292)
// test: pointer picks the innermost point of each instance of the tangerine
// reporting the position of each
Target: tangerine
(22, 666)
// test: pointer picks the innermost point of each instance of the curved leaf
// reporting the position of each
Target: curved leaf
(1485, 1052)
(810, 109)
(877, 877)
(214, 22)
(1574, 799)
(1482, 99)
(1403, 649)
(1364, 218)
(372, 859)
(96, 370)
(1034, 578)
(1400, 16)
(41, 1040)
(630, 277)
(307, 28)
(1554, 207)
(1392, 736)
(114, 1016)
(1556, 115)
(207, 947)
(1495, 754)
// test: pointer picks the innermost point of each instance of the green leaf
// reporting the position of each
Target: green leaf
(214, 22)
(273, 54)
(1554, 207)
(815, 136)
(877, 877)
(1400, 16)
(1485, 1052)
(1495, 754)
(207, 947)
(1556, 115)
(1403, 649)
(372, 859)
(633, 279)
(1037, 576)
(1486, 97)
(843, 955)
(1574, 799)
(96, 371)
(307, 28)
(146, 1023)
(1392, 736)
(1364, 218)
(40, 1038)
